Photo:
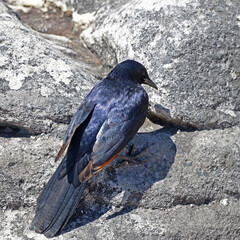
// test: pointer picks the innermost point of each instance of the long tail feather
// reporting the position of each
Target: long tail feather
(56, 204)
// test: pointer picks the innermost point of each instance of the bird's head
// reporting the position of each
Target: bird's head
(133, 70)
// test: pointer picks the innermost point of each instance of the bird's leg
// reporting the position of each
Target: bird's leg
(130, 157)
(134, 159)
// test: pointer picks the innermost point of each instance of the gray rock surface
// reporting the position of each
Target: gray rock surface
(177, 191)
(187, 183)
(39, 86)
(82, 6)
(191, 49)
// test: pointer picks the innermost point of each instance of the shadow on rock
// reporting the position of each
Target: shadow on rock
(9, 130)
(123, 185)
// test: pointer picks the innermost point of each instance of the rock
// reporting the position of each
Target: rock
(40, 86)
(205, 170)
(25, 167)
(83, 7)
(191, 49)
(176, 191)
(186, 183)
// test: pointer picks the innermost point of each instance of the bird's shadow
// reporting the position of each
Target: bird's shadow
(128, 180)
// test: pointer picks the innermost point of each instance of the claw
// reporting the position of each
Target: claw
(130, 158)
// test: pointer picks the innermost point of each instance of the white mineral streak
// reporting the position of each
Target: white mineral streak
(27, 3)
(59, 70)
(157, 5)
(84, 20)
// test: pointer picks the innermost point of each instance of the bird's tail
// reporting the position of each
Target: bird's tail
(56, 204)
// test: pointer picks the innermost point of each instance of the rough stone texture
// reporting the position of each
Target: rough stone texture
(39, 86)
(82, 6)
(206, 169)
(186, 186)
(187, 183)
(191, 48)
(25, 166)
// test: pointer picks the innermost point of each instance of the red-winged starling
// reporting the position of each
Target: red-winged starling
(108, 118)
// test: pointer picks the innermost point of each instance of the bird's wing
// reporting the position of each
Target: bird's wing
(81, 115)
(115, 133)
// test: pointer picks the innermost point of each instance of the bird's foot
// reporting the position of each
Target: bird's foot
(134, 158)
(131, 156)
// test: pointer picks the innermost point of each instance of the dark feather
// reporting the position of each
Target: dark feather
(106, 121)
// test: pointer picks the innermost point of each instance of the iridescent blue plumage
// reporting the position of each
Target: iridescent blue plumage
(108, 118)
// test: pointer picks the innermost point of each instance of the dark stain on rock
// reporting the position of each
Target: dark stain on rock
(54, 21)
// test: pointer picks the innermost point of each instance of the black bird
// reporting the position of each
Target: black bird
(108, 118)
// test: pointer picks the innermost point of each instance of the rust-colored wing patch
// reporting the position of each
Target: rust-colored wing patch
(88, 171)
(62, 150)
(99, 168)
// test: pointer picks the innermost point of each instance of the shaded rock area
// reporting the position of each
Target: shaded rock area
(177, 191)
(46, 22)
(191, 49)
(186, 184)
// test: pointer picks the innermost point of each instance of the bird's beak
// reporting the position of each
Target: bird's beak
(149, 82)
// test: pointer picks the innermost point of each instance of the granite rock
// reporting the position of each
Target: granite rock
(82, 7)
(191, 49)
(39, 86)
(176, 191)
(186, 184)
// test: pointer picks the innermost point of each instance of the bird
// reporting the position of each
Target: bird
(107, 119)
